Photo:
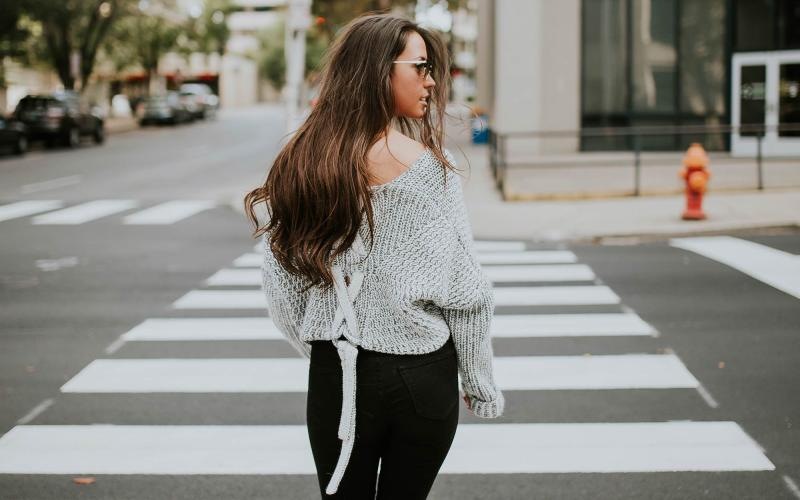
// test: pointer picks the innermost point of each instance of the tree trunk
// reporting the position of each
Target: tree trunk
(58, 48)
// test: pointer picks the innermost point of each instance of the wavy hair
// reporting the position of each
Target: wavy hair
(317, 189)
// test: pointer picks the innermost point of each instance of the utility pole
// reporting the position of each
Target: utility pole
(298, 22)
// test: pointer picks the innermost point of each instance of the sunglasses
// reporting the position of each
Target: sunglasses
(424, 68)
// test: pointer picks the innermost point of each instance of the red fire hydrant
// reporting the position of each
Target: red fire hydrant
(696, 174)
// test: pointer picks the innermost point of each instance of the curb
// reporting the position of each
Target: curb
(510, 196)
(121, 125)
(633, 238)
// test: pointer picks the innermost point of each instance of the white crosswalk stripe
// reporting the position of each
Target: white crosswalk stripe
(166, 213)
(776, 268)
(486, 258)
(476, 449)
(169, 212)
(509, 325)
(528, 257)
(569, 325)
(519, 373)
(85, 212)
(499, 246)
(235, 277)
(507, 296)
(25, 208)
(249, 260)
(497, 274)
(203, 329)
(222, 299)
(539, 272)
(554, 295)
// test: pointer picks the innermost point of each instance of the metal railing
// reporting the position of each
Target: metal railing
(498, 143)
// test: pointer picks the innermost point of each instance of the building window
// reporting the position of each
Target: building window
(755, 26)
(653, 63)
(655, 56)
(605, 86)
(704, 84)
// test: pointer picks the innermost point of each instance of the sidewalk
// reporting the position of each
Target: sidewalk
(592, 219)
(612, 218)
(604, 174)
(117, 125)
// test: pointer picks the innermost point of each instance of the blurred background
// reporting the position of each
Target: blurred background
(601, 76)
(118, 51)
(631, 169)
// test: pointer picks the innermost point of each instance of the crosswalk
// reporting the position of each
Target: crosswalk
(282, 449)
(55, 212)
(528, 283)
(776, 268)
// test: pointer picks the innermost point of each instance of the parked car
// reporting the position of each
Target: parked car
(193, 105)
(166, 108)
(13, 135)
(205, 102)
(59, 116)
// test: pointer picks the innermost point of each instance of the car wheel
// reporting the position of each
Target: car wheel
(99, 134)
(73, 137)
(21, 145)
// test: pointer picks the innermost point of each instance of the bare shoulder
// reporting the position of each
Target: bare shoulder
(397, 150)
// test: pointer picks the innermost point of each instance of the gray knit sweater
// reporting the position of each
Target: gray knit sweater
(420, 283)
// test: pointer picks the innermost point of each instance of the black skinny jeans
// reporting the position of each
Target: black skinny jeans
(406, 417)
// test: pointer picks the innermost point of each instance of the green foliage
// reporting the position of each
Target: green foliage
(272, 63)
(142, 37)
(73, 26)
(142, 40)
(12, 31)
(336, 13)
(316, 45)
(272, 59)
(209, 33)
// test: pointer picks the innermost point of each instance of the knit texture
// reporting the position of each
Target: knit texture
(421, 283)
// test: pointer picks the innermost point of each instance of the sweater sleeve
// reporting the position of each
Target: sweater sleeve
(468, 310)
(286, 302)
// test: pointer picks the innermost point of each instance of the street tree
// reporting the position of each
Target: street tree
(73, 31)
(210, 31)
(146, 32)
(272, 58)
(13, 33)
(333, 14)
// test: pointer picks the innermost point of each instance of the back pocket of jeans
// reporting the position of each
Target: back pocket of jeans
(433, 386)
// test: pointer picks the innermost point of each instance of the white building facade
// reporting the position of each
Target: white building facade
(580, 65)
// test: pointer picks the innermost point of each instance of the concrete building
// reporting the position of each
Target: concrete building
(575, 65)
(240, 84)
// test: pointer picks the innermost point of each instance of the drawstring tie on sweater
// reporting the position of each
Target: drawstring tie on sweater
(348, 353)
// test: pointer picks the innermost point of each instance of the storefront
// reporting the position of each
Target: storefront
(691, 62)
(766, 103)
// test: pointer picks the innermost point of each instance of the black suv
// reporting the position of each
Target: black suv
(59, 117)
(13, 135)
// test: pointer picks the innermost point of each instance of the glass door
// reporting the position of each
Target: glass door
(766, 101)
(789, 100)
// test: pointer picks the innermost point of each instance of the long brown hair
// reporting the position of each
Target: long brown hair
(318, 187)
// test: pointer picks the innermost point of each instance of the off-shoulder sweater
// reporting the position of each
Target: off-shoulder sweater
(420, 284)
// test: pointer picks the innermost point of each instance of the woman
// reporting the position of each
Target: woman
(369, 266)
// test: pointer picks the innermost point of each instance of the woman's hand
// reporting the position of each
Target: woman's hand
(466, 401)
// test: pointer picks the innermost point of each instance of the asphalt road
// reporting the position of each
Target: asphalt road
(70, 289)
